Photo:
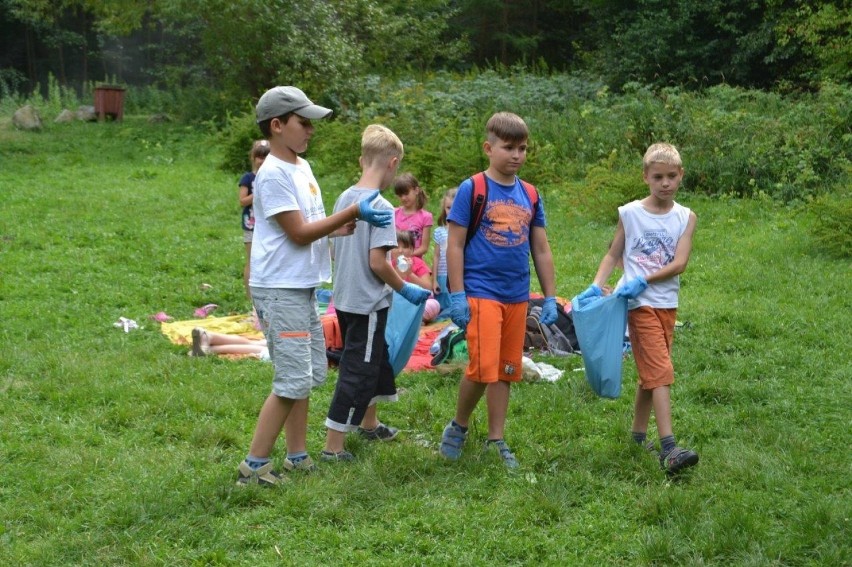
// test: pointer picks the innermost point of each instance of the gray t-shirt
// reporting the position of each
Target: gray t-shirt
(356, 288)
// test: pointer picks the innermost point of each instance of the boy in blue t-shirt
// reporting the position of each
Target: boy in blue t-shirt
(490, 279)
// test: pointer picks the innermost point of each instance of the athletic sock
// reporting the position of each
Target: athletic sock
(639, 437)
(459, 427)
(297, 457)
(668, 443)
(255, 463)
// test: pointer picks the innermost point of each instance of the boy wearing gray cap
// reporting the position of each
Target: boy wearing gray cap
(290, 258)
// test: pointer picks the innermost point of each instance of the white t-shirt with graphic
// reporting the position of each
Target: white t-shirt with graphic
(276, 261)
(650, 241)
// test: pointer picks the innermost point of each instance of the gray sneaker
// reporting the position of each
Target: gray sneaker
(678, 459)
(302, 465)
(381, 433)
(505, 453)
(262, 476)
(339, 457)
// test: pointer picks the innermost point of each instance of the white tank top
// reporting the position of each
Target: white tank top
(650, 241)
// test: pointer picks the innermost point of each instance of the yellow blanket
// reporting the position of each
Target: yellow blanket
(180, 332)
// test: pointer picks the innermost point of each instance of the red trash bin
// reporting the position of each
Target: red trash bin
(109, 101)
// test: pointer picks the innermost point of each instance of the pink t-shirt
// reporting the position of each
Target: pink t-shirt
(419, 267)
(416, 223)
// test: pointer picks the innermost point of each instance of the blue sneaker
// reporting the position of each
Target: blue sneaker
(505, 453)
(452, 441)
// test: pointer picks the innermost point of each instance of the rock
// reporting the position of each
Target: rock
(159, 118)
(87, 114)
(27, 118)
(66, 116)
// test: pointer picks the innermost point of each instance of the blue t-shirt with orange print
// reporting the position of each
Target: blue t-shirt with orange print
(496, 260)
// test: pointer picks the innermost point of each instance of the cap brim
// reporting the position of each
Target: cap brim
(314, 112)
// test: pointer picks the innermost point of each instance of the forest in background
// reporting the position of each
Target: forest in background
(222, 53)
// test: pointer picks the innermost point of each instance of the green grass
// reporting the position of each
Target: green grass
(118, 449)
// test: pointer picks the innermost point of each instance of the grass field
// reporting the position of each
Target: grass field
(118, 449)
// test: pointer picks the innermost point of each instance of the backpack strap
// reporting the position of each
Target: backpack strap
(480, 196)
(477, 204)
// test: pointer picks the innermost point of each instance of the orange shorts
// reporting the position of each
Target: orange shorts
(495, 340)
(651, 338)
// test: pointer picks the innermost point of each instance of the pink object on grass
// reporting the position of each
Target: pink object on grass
(161, 317)
(206, 310)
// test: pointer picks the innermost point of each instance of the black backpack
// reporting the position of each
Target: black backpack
(558, 338)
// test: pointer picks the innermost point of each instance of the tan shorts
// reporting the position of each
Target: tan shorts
(495, 340)
(651, 338)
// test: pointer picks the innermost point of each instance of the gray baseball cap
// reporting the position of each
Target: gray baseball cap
(278, 101)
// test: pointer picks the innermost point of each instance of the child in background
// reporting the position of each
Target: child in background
(653, 238)
(259, 151)
(362, 298)
(413, 269)
(439, 255)
(206, 342)
(411, 215)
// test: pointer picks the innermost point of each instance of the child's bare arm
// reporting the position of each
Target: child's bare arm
(682, 253)
(302, 232)
(424, 242)
(612, 256)
(246, 198)
(543, 261)
(456, 237)
(424, 281)
(436, 258)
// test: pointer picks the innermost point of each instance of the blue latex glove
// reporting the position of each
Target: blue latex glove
(459, 309)
(548, 311)
(633, 288)
(376, 217)
(591, 291)
(414, 293)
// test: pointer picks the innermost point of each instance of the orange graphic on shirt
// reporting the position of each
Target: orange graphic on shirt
(314, 189)
(506, 223)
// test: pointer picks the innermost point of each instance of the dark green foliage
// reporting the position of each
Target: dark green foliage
(832, 223)
(236, 139)
(604, 190)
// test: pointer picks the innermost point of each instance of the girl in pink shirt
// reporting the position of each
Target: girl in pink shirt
(411, 215)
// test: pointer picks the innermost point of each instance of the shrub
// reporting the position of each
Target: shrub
(831, 223)
(235, 140)
(605, 189)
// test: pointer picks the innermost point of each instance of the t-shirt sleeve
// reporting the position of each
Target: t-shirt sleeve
(428, 219)
(539, 218)
(279, 195)
(382, 237)
(460, 211)
(246, 179)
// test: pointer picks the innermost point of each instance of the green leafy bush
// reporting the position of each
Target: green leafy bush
(235, 140)
(605, 189)
(831, 224)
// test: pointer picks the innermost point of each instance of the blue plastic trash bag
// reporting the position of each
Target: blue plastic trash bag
(600, 323)
(402, 331)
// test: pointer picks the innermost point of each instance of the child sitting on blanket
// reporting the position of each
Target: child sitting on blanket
(413, 269)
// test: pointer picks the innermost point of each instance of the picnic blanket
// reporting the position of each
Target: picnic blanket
(180, 333)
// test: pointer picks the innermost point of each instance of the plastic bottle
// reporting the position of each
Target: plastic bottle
(403, 263)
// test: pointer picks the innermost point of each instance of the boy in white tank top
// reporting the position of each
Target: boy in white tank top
(654, 240)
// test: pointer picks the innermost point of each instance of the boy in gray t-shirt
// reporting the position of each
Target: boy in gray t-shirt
(363, 285)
